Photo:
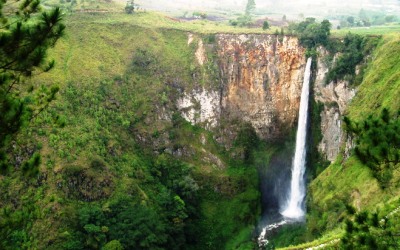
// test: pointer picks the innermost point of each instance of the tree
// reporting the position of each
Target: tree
(366, 230)
(113, 245)
(136, 226)
(350, 20)
(25, 36)
(247, 141)
(351, 55)
(378, 144)
(250, 7)
(246, 18)
(265, 25)
(311, 33)
(363, 15)
(130, 7)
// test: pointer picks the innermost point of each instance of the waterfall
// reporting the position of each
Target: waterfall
(294, 206)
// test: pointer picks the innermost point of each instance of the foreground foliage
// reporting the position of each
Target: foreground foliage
(24, 40)
(368, 181)
(378, 144)
(112, 173)
(371, 230)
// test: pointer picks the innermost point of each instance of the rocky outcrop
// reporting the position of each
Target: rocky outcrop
(260, 83)
(200, 106)
(335, 97)
(262, 77)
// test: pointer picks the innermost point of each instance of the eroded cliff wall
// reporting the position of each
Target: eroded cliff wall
(260, 83)
(335, 96)
(260, 78)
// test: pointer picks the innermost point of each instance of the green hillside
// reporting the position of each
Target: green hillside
(348, 180)
(120, 167)
(118, 161)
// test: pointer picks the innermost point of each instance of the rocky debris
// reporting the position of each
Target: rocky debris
(213, 160)
(201, 53)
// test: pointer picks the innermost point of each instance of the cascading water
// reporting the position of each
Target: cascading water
(293, 208)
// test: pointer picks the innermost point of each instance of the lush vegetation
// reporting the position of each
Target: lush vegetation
(103, 160)
(311, 34)
(377, 144)
(353, 51)
(356, 179)
(111, 172)
(316, 160)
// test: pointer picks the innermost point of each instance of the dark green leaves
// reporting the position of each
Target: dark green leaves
(378, 144)
(23, 46)
(311, 34)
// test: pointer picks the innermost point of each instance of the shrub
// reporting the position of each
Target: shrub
(265, 25)
(312, 34)
(378, 144)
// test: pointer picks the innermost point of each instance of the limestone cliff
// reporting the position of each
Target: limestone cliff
(262, 77)
(335, 97)
(260, 83)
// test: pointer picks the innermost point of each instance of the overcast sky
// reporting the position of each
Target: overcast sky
(307, 7)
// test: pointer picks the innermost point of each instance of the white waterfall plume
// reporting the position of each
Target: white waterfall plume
(294, 206)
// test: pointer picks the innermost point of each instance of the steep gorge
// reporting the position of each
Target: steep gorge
(123, 128)
(260, 82)
(335, 98)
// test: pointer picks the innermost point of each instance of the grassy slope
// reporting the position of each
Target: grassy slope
(374, 30)
(381, 86)
(348, 180)
(93, 71)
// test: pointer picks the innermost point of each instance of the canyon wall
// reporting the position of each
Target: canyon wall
(260, 78)
(335, 96)
(260, 83)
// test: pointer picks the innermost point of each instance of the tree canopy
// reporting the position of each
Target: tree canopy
(25, 36)
(378, 144)
(250, 7)
(311, 33)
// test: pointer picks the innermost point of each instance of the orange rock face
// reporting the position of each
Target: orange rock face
(261, 80)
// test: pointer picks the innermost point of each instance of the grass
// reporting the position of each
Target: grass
(348, 181)
(112, 109)
(159, 20)
(112, 104)
(381, 84)
(373, 30)
(113, 12)
(328, 237)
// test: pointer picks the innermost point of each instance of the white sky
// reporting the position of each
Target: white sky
(307, 7)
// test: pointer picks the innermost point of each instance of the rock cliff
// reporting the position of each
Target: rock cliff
(262, 77)
(335, 97)
(260, 83)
